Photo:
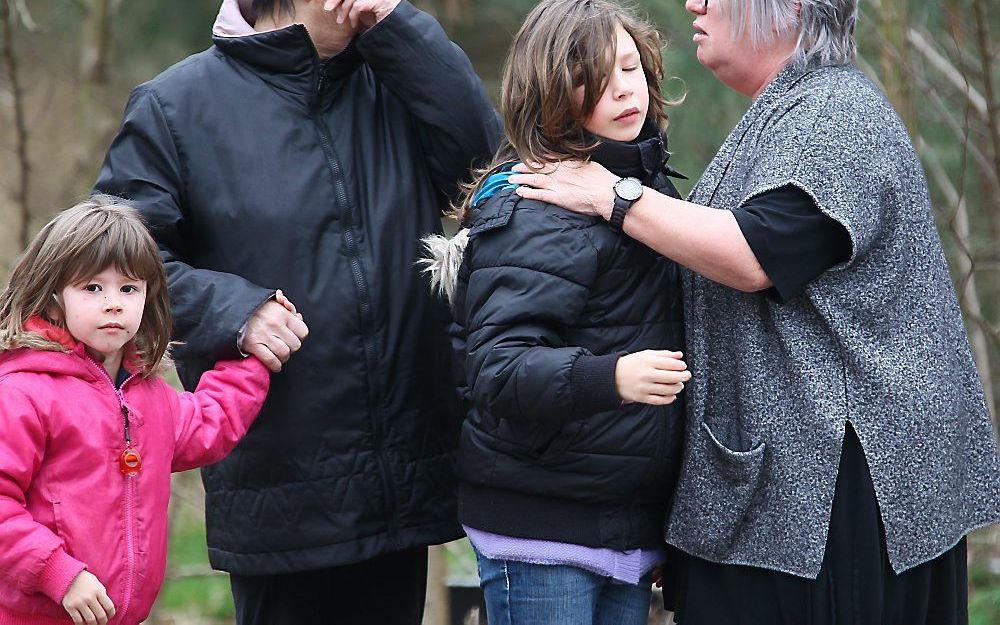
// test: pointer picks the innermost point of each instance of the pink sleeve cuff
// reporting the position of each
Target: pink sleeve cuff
(59, 572)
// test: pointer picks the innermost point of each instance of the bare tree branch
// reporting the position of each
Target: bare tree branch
(961, 82)
(986, 59)
(948, 71)
(20, 129)
(26, 19)
(967, 292)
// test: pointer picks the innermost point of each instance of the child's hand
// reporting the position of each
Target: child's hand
(652, 377)
(282, 299)
(87, 600)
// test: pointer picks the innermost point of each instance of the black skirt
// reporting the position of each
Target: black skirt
(856, 585)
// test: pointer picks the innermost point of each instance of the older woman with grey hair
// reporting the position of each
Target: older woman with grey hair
(839, 447)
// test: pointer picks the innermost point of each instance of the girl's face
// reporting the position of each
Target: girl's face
(104, 312)
(621, 110)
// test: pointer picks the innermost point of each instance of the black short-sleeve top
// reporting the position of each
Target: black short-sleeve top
(794, 241)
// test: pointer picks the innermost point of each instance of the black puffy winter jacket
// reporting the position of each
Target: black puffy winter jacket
(548, 301)
(258, 167)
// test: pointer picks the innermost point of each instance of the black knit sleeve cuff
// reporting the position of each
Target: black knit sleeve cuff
(593, 382)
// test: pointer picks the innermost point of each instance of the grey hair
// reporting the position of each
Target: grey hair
(825, 27)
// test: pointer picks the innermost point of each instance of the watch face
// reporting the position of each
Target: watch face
(629, 189)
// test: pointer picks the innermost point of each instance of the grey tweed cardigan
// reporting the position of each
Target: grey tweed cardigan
(877, 341)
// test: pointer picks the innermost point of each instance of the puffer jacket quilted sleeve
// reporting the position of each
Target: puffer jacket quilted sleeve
(32, 556)
(519, 304)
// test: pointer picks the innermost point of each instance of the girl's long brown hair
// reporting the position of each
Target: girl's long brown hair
(80, 242)
(561, 46)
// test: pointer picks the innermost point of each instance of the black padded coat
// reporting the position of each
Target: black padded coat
(258, 167)
(548, 300)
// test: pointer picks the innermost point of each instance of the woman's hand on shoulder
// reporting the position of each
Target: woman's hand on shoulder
(652, 377)
(87, 600)
(582, 187)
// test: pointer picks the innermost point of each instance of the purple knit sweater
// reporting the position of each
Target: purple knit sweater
(623, 566)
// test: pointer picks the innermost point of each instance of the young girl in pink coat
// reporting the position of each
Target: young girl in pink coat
(89, 430)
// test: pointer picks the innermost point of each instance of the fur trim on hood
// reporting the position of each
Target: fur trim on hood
(445, 259)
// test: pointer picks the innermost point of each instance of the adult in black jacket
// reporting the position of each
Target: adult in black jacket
(311, 158)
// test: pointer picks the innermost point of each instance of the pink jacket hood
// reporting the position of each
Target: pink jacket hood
(75, 362)
(232, 20)
(66, 505)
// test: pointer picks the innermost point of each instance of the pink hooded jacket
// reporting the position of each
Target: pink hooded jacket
(66, 505)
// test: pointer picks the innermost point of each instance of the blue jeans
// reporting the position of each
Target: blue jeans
(519, 593)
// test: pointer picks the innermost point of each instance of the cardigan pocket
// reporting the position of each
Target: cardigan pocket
(724, 498)
(738, 466)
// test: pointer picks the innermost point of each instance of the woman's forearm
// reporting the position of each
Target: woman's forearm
(705, 240)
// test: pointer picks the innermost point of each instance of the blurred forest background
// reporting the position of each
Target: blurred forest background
(66, 68)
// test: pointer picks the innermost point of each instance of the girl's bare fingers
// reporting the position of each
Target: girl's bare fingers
(669, 389)
(88, 615)
(330, 5)
(666, 363)
(100, 614)
(669, 377)
(659, 400)
(107, 604)
(75, 615)
(662, 390)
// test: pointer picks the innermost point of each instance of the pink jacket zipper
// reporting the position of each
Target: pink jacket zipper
(122, 611)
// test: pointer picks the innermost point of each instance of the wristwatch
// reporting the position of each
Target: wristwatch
(627, 191)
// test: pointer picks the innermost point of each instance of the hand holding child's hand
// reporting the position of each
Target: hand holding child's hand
(652, 377)
(274, 332)
(282, 299)
(87, 600)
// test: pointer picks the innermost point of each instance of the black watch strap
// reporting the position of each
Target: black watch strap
(618, 213)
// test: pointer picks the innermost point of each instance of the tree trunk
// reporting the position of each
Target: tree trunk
(21, 193)
(96, 120)
(437, 610)
(985, 52)
(894, 25)
(968, 294)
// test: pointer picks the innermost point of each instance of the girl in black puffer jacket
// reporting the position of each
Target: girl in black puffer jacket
(571, 449)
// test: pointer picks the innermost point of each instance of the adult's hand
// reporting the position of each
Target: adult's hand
(87, 600)
(582, 187)
(274, 333)
(365, 13)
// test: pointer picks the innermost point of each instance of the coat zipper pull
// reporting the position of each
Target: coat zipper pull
(131, 461)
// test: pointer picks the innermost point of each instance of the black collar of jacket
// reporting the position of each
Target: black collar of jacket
(642, 158)
(287, 59)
